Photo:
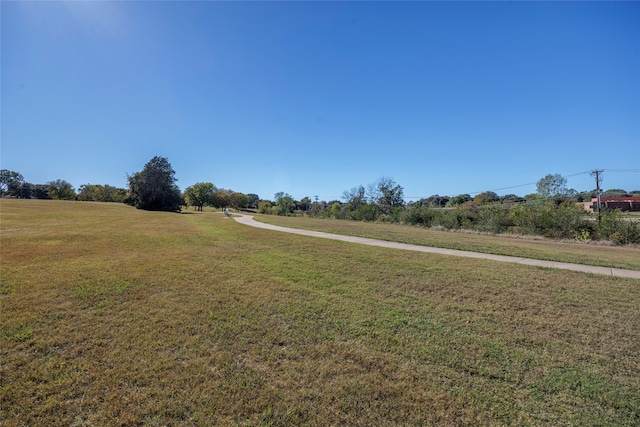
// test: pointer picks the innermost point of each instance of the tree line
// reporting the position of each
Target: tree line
(551, 211)
(152, 188)
(13, 184)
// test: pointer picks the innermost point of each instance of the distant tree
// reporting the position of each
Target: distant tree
(372, 193)
(304, 204)
(615, 192)
(486, 197)
(61, 190)
(391, 195)
(552, 186)
(26, 191)
(154, 188)
(40, 191)
(435, 201)
(199, 194)
(11, 183)
(355, 197)
(101, 193)
(284, 204)
(253, 200)
(264, 207)
(239, 200)
(458, 200)
(222, 198)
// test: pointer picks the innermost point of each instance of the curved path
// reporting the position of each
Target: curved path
(248, 220)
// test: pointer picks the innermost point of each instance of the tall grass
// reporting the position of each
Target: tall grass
(114, 316)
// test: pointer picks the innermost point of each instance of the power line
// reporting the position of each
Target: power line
(534, 183)
(525, 185)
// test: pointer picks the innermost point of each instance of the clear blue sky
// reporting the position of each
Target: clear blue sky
(314, 98)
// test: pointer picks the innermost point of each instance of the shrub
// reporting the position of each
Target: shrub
(494, 220)
(364, 213)
(549, 219)
(616, 229)
(264, 208)
(419, 215)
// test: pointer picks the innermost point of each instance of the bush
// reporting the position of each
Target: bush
(449, 219)
(494, 220)
(565, 220)
(616, 229)
(265, 208)
(419, 215)
(364, 212)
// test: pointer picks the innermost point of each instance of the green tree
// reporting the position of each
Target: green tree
(304, 204)
(552, 186)
(253, 200)
(615, 192)
(11, 183)
(435, 201)
(200, 194)
(486, 198)
(154, 188)
(40, 191)
(239, 200)
(458, 200)
(101, 193)
(265, 207)
(284, 204)
(222, 198)
(61, 190)
(391, 195)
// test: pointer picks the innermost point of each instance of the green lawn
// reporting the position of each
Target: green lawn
(114, 316)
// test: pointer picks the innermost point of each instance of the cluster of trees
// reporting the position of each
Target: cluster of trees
(551, 211)
(207, 194)
(101, 193)
(13, 184)
(154, 188)
(283, 204)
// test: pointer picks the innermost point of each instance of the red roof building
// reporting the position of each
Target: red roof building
(627, 204)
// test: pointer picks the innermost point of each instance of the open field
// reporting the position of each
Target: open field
(589, 253)
(114, 316)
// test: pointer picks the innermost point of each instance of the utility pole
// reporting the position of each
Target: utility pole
(597, 173)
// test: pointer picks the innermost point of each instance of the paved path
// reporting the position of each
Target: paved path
(248, 220)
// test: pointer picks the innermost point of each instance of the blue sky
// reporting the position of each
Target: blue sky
(314, 98)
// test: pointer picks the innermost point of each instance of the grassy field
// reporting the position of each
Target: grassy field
(589, 253)
(114, 316)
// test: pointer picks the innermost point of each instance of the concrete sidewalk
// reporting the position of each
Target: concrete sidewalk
(248, 220)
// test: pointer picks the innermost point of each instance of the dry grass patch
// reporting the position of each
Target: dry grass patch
(136, 318)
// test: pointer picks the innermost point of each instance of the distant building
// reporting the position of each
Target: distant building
(627, 204)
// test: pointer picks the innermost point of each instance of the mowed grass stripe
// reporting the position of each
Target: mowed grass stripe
(132, 317)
